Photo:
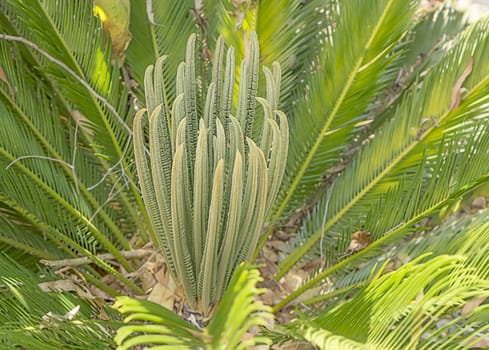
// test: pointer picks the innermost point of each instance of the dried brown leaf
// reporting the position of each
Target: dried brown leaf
(457, 89)
(359, 240)
(65, 285)
(472, 305)
(164, 291)
(3, 77)
(481, 344)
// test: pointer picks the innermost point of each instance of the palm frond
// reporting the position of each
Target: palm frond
(432, 36)
(415, 307)
(424, 45)
(457, 236)
(166, 328)
(53, 138)
(207, 185)
(152, 324)
(425, 126)
(59, 85)
(348, 76)
(33, 319)
(416, 199)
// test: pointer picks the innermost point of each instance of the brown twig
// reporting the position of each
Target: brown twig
(131, 254)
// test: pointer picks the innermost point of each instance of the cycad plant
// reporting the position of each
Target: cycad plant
(372, 240)
(206, 184)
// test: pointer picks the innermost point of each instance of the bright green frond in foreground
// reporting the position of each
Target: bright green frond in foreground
(432, 302)
(417, 310)
(237, 313)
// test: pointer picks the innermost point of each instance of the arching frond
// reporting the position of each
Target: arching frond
(415, 307)
(457, 236)
(33, 319)
(423, 46)
(155, 326)
(347, 77)
(427, 125)
(64, 133)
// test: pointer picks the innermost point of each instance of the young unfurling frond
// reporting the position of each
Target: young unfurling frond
(206, 183)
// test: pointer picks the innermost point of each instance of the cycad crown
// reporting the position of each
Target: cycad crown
(206, 183)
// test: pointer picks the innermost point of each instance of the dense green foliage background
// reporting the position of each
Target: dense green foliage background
(387, 109)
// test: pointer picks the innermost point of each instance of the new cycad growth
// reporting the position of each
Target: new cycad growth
(207, 183)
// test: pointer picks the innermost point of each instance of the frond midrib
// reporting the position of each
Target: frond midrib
(391, 164)
(377, 243)
(290, 191)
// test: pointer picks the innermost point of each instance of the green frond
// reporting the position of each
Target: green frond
(163, 326)
(413, 307)
(348, 76)
(64, 139)
(154, 326)
(33, 319)
(423, 127)
(79, 58)
(466, 236)
(430, 37)
(325, 339)
(248, 85)
(159, 222)
(239, 311)
(207, 187)
(456, 237)
(415, 199)
(85, 57)
(431, 33)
